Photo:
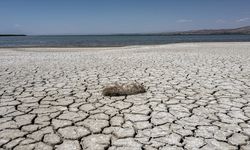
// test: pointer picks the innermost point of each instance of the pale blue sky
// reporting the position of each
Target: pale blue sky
(119, 16)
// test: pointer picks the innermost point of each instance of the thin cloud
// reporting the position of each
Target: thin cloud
(243, 20)
(220, 21)
(184, 20)
(246, 12)
(17, 25)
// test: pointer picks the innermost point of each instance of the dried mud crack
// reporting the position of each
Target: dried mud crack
(198, 97)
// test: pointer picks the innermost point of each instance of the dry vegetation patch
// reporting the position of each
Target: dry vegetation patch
(123, 89)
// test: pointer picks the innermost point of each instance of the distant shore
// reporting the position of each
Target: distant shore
(233, 31)
(12, 35)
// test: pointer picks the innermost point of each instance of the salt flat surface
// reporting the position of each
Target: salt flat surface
(198, 97)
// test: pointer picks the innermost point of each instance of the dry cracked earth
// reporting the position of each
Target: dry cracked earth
(198, 97)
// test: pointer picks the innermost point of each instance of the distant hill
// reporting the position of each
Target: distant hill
(12, 35)
(242, 30)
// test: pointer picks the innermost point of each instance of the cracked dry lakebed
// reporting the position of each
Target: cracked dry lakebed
(197, 97)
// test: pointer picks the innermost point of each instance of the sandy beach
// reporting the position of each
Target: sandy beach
(198, 97)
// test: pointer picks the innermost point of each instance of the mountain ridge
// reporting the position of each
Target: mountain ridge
(240, 30)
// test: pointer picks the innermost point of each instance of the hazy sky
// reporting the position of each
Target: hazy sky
(119, 16)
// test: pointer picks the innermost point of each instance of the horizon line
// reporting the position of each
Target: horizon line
(120, 34)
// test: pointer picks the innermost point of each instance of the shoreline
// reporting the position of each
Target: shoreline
(125, 46)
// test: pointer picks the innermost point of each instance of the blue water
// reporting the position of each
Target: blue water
(112, 40)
